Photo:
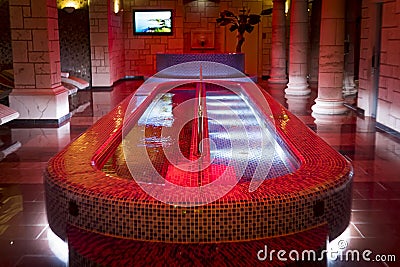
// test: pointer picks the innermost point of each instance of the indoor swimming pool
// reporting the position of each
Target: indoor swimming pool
(189, 162)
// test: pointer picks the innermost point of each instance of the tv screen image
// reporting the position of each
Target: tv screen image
(152, 22)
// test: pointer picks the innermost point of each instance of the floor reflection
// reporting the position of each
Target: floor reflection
(24, 240)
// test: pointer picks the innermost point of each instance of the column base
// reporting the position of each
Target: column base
(278, 80)
(297, 89)
(36, 105)
(326, 107)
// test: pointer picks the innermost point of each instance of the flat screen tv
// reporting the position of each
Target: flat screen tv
(152, 22)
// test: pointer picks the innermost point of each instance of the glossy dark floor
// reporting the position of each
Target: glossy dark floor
(25, 151)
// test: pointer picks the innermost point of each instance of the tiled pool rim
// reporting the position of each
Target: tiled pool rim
(79, 194)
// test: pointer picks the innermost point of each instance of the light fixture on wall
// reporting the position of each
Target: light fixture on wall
(287, 6)
(69, 9)
(117, 6)
(70, 6)
(202, 39)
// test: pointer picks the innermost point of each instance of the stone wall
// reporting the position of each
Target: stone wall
(388, 102)
(389, 81)
(195, 15)
(140, 51)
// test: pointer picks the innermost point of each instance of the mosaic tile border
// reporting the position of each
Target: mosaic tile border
(89, 249)
(79, 194)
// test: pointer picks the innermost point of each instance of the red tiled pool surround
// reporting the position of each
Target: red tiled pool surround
(79, 194)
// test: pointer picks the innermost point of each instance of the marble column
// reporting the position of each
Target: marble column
(38, 94)
(315, 22)
(331, 59)
(298, 48)
(278, 43)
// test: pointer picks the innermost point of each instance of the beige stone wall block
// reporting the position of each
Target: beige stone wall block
(20, 51)
(102, 70)
(387, 70)
(339, 35)
(99, 39)
(53, 34)
(20, 2)
(40, 40)
(103, 25)
(149, 59)
(237, 3)
(331, 59)
(131, 55)
(53, 25)
(383, 94)
(136, 44)
(298, 54)
(383, 113)
(42, 68)
(16, 15)
(55, 80)
(396, 104)
(192, 17)
(255, 6)
(168, 4)
(55, 48)
(26, 11)
(38, 57)
(329, 93)
(212, 12)
(175, 43)
(100, 8)
(43, 81)
(338, 82)
(101, 79)
(21, 35)
(98, 52)
(98, 15)
(52, 12)
(37, 8)
(35, 23)
(389, 16)
(327, 37)
(333, 9)
(157, 49)
(179, 32)
(24, 74)
(96, 63)
(295, 69)
(393, 52)
(325, 79)
(29, 45)
(106, 58)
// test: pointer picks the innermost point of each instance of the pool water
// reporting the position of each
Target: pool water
(231, 123)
